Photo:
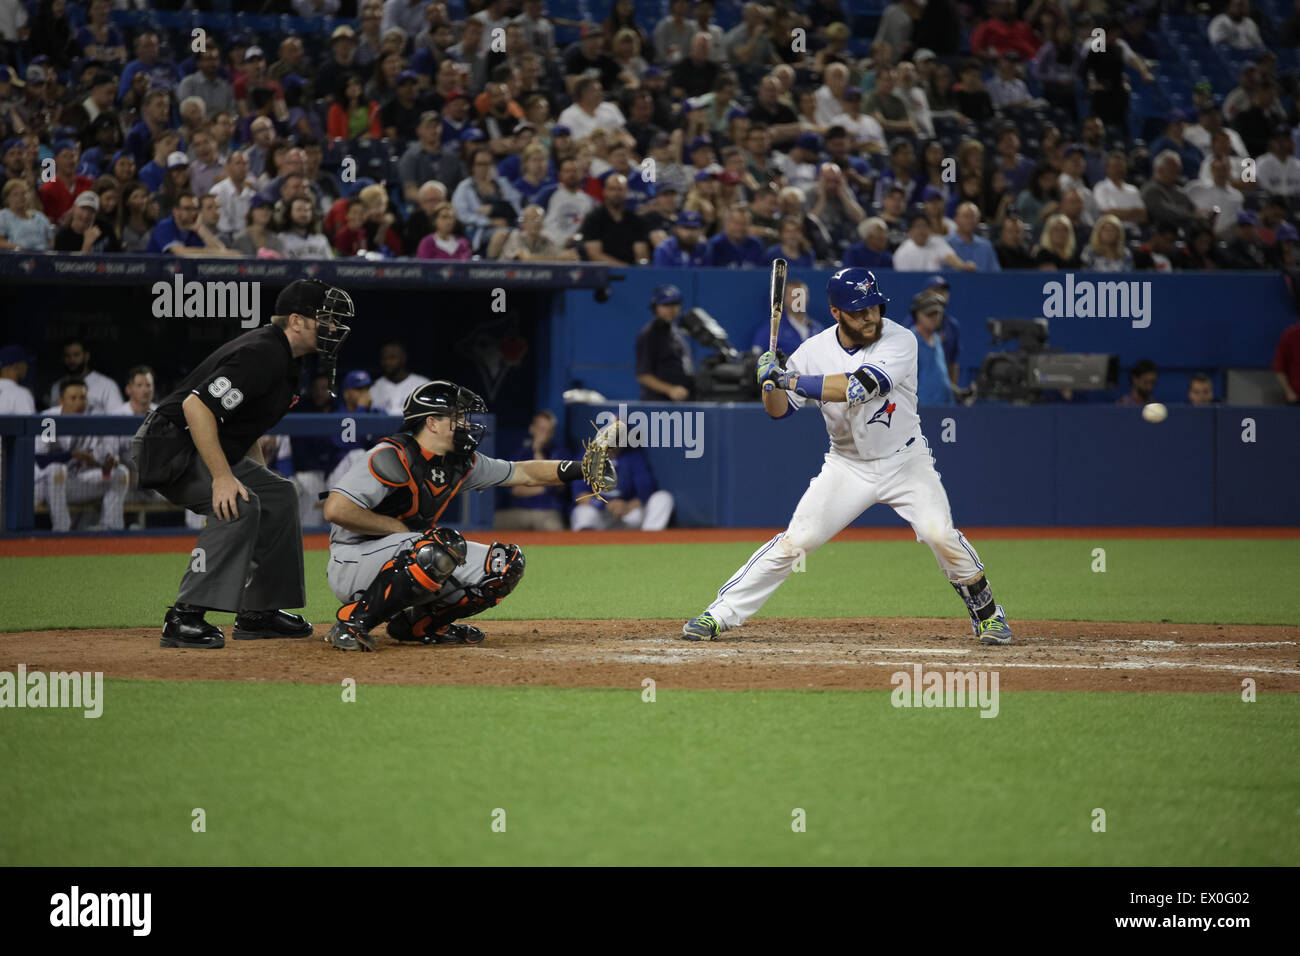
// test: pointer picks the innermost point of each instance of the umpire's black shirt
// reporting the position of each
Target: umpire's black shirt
(248, 384)
(661, 350)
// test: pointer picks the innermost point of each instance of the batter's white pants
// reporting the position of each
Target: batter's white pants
(845, 488)
(651, 516)
(60, 486)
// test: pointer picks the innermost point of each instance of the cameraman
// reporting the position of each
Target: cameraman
(664, 367)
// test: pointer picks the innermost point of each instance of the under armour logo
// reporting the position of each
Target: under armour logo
(439, 476)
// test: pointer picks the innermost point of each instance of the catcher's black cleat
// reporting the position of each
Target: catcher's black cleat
(401, 628)
(184, 626)
(348, 637)
(252, 625)
(457, 634)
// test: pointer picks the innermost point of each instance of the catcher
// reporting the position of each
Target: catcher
(390, 562)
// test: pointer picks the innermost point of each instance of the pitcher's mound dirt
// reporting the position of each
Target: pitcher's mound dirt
(765, 654)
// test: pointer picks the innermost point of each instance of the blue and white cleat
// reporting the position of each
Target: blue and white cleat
(703, 628)
(994, 630)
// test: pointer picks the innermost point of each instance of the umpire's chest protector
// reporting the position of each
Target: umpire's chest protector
(420, 487)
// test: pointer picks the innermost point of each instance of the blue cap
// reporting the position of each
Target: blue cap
(473, 134)
(1176, 116)
(561, 130)
(1075, 148)
(1246, 218)
(257, 202)
(13, 354)
(62, 144)
(292, 81)
(699, 142)
(407, 76)
(666, 295)
(120, 154)
(359, 378)
(1286, 233)
(931, 192)
(736, 112)
(690, 219)
(937, 282)
(809, 141)
(652, 71)
(10, 143)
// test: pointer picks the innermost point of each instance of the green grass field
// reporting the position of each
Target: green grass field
(1208, 581)
(292, 774)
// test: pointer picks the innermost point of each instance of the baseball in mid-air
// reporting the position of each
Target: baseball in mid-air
(1154, 412)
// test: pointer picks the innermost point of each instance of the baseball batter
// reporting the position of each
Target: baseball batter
(390, 562)
(861, 372)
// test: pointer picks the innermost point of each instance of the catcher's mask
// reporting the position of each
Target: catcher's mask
(447, 400)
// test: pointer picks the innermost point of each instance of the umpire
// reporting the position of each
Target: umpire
(199, 450)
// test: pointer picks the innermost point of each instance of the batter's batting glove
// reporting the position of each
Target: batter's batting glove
(770, 372)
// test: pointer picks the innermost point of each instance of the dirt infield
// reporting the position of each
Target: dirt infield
(765, 654)
(44, 545)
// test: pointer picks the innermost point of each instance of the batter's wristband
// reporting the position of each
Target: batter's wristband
(569, 471)
(810, 386)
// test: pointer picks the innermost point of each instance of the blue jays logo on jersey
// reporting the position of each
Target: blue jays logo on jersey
(885, 413)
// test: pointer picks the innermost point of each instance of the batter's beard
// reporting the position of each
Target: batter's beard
(860, 340)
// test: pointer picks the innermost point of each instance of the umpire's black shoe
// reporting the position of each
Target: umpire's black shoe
(252, 625)
(184, 627)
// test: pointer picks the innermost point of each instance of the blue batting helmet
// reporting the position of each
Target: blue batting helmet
(852, 290)
(666, 295)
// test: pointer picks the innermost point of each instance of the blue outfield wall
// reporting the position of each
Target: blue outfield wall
(1001, 465)
(1196, 321)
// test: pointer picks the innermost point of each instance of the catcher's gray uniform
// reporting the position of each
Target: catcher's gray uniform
(356, 559)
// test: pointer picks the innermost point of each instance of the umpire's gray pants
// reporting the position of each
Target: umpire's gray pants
(252, 562)
(353, 566)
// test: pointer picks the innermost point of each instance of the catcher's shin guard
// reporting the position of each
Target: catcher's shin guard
(409, 578)
(504, 566)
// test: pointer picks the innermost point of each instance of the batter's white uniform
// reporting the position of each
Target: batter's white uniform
(877, 454)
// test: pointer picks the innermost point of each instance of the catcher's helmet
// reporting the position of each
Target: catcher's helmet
(449, 400)
(852, 290)
(666, 295)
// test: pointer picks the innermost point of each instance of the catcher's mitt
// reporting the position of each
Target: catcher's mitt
(597, 469)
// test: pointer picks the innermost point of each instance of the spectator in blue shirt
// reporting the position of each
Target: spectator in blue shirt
(932, 383)
(155, 117)
(969, 246)
(873, 251)
(163, 74)
(177, 236)
(794, 247)
(535, 507)
(1173, 139)
(796, 324)
(734, 247)
(684, 249)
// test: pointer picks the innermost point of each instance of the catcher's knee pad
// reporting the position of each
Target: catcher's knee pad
(503, 568)
(408, 578)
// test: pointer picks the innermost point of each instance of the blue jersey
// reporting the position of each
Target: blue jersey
(723, 253)
(670, 254)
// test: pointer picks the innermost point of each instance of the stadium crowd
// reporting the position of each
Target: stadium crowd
(974, 136)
